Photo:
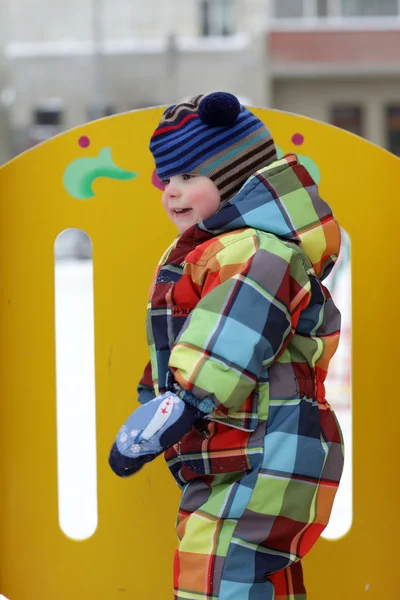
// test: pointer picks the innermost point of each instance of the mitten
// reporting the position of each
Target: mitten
(150, 430)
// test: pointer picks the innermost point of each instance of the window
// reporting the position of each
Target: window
(217, 17)
(300, 9)
(47, 121)
(369, 8)
(322, 8)
(393, 129)
(49, 112)
(348, 117)
(289, 9)
(98, 111)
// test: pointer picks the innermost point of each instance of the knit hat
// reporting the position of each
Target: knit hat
(215, 136)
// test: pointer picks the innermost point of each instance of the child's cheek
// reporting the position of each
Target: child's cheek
(164, 203)
(197, 199)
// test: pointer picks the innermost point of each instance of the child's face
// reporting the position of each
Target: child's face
(189, 199)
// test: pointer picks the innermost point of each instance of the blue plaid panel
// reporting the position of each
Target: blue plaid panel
(247, 591)
(284, 417)
(276, 330)
(250, 308)
(309, 419)
(280, 452)
(266, 213)
(241, 496)
(310, 457)
(249, 564)
(239, 564)
(233, 342)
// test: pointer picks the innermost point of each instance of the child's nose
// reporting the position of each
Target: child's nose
(173, 190)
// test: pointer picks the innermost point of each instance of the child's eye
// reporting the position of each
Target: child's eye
(186, 176)
(165, 181)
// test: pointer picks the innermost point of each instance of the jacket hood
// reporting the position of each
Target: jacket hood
(283, 199)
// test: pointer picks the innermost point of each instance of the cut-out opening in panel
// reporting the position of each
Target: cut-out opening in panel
(339, 388)
(75, 378)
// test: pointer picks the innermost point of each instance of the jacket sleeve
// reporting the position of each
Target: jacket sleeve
(252, 293)
(145, 388)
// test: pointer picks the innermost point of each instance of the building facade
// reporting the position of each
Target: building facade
(65, 63)
(74, 61)
(338, 61)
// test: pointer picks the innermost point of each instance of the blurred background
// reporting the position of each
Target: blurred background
(65, 63)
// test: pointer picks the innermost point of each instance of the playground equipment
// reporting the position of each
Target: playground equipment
(100, 178)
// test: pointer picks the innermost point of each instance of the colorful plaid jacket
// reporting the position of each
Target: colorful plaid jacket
(237, 310)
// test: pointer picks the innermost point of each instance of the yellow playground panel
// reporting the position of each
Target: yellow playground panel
(99, 178)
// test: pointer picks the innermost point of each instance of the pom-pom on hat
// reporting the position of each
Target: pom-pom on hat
(219, 109)
(214, 136)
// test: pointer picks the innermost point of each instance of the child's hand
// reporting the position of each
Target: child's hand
(150, 430)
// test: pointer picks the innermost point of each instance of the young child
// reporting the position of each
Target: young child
(241, 331)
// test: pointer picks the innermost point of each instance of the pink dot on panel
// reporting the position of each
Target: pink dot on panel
(298, 139)
(155, 180)
(84, 141)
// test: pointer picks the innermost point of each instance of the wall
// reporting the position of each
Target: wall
(139, 79)
(50, 52)
(314, 97)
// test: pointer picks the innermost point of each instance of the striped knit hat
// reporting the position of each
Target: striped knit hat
(215, 136)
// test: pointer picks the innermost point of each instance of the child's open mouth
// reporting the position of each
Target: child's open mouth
(182, 211)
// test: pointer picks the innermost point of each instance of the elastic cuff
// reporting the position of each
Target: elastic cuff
(145, 395)
(205, 405)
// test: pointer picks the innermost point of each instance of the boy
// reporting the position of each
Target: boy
(241, 332)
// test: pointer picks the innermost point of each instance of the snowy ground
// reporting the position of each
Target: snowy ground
(76, 403)
(76, 409)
